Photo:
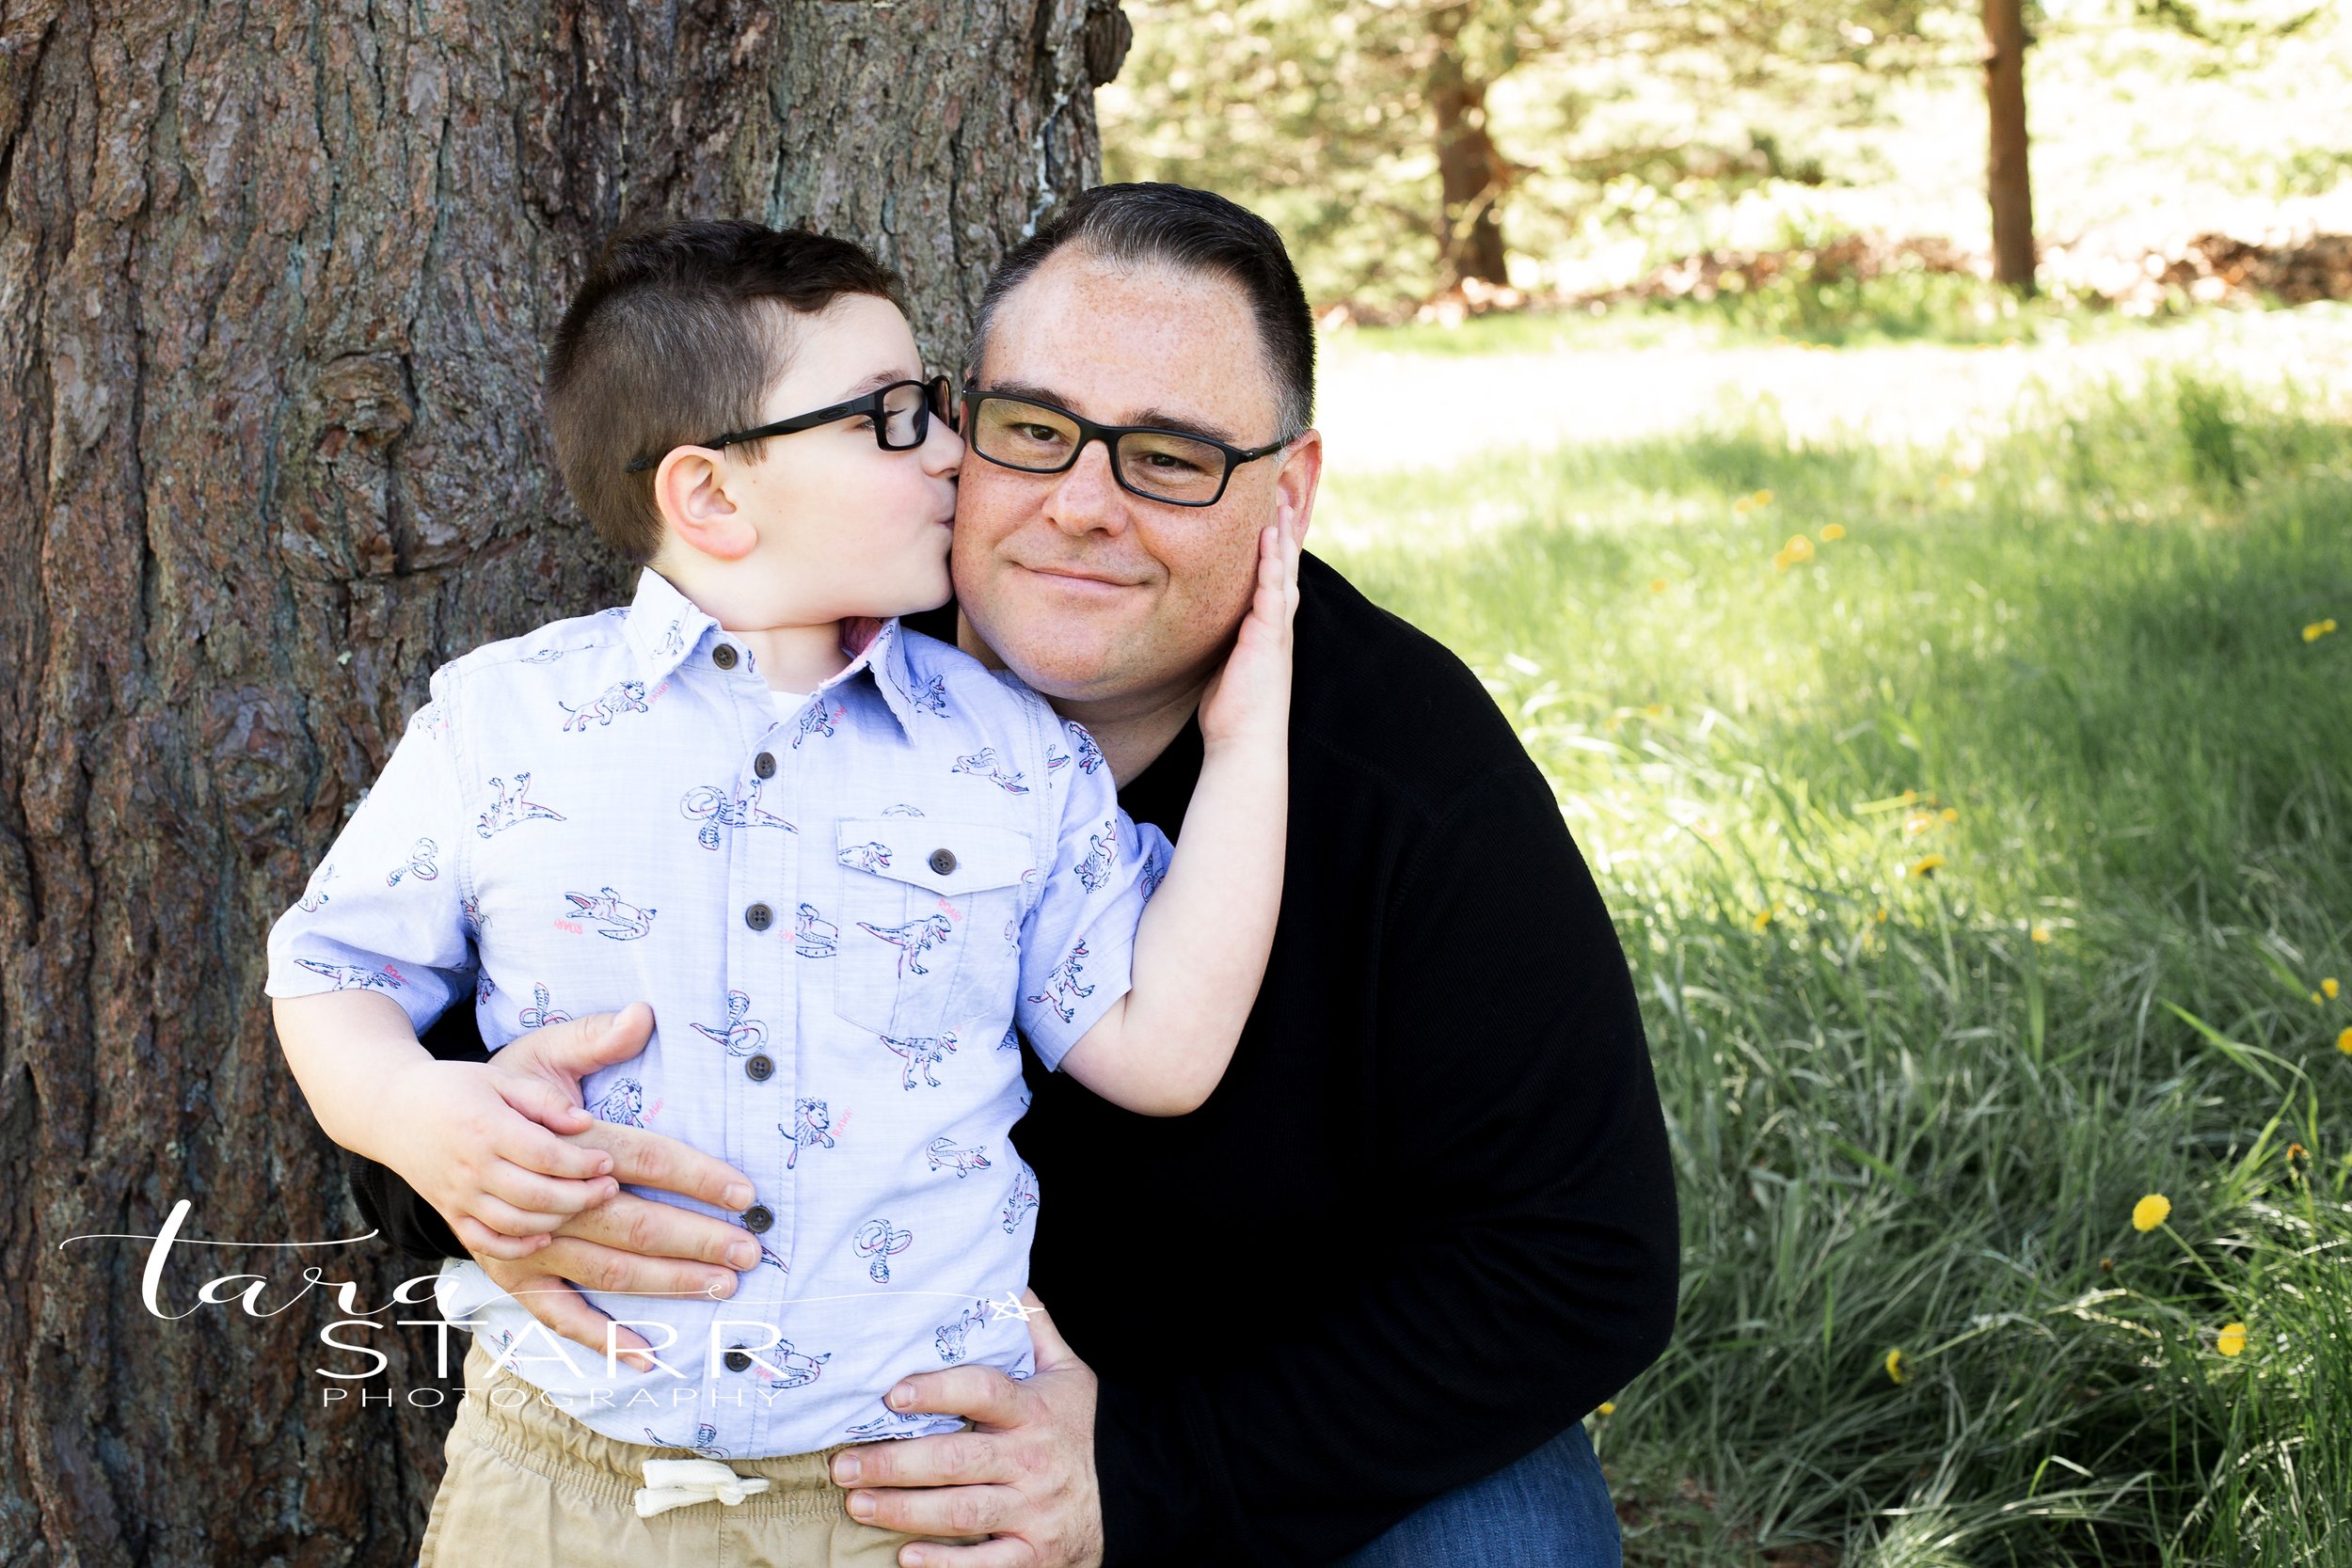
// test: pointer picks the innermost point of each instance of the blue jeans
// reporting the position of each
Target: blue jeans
(1549, 1510)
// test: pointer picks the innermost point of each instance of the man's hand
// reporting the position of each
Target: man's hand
(626, 1243)
(1024, 1474)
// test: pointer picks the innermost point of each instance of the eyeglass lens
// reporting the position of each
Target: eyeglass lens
(1029, 435)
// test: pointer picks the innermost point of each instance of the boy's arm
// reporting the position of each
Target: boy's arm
(475, 1144)
(1201, 946)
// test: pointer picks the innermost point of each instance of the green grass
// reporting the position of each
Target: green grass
(1977, 872)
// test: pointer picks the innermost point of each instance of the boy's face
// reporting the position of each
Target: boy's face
(835, 527)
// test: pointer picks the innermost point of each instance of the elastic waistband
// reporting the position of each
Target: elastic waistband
(506, 1414)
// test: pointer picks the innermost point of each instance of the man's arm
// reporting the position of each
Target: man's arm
(1535, 1263)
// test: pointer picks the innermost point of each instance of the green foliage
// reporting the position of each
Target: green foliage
(1979, 868)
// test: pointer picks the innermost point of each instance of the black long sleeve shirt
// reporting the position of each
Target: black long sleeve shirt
(1428, 1219)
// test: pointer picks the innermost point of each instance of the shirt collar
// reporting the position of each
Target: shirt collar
(665, 628)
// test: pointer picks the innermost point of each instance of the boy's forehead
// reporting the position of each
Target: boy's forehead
(854, 345)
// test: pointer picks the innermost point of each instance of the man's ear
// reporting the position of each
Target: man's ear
(689, 488)
(1294, 484)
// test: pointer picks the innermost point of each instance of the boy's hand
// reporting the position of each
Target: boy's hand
(480, 1146)
(1250, 698)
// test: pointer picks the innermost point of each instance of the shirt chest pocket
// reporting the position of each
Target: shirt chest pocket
(930, 914)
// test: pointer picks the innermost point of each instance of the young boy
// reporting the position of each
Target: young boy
(842, 861)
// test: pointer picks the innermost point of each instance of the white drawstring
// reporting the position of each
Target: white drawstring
(676, 1482)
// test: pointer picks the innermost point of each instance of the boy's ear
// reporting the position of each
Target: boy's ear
(689, 488)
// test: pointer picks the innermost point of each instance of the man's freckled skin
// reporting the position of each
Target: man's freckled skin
(1096, 334)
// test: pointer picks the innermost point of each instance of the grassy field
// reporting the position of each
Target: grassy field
(1978, 816)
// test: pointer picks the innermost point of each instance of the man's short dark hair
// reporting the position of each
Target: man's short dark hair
(679, 334)
(1197, 232)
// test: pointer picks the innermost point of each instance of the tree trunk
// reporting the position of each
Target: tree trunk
(2007, 180)
(274, 280)
(1470, 170)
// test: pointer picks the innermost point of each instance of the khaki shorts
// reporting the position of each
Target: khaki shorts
(528, 1486)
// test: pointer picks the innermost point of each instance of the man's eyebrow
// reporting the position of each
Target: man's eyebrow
(1160, 418)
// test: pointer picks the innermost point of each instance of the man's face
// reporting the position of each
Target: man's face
(1087, 592)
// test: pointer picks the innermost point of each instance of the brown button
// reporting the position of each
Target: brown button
(943, 861)
(765, 765)
(760, 1068)
(759, 917)
(758, 1218)
(723, 656)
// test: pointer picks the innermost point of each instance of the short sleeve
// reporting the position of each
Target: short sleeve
(385, 911)
(1077, 945)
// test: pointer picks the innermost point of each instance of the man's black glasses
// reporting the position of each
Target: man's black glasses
(1178, 466)
(903, 413)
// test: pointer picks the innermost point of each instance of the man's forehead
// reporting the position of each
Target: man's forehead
(1134, 344)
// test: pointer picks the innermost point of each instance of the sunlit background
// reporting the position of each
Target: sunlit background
(1946, 681)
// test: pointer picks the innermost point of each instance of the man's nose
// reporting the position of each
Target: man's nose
(1085, 498)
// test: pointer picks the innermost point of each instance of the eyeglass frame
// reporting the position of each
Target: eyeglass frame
(939, 388)
(1108, 434)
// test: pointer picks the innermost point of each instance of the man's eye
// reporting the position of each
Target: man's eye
(1041, 434)
(1169, 463)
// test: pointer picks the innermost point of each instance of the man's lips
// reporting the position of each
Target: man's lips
(1077, 574)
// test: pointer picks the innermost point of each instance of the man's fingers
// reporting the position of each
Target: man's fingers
(940, 1511)
(1053, 1350)
(595, 1267)
(982, 1394)
(641, 1225)
(566, 1312)
(645, 1158)
(1004, 1551)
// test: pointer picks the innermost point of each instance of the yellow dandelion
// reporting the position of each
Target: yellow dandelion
(2232, 1339)
(2329, 988)
(1880, 915)
(2318, 629)
(1799, 548)
(1895, 1370)
(2151, 1211)
(1926, 865)
(1742, 505)
(1763, 918)
(1831, 532)
(2041, 934)
(1916, 823)
(1658, 585)
(2297, 1151)
(1608, 1407)
(1763, 497)
(2344, 1042)
(1951, 813)
(1780, 560)
(1908, 797)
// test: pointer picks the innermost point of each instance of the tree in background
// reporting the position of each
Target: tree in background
(2009, 182)
(274, 280)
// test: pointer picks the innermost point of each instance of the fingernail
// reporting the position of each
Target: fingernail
(901, 1397)
(860, 1505)
(740, 1195)
(721, 1285)
(743, 1255)
(844, 1468)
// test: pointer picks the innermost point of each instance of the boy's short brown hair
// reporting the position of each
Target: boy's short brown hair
(677, 335)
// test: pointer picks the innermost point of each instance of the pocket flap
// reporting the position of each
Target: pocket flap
(934, 854)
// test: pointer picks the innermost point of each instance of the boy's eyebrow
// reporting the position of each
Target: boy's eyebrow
(1159, 418)
(875, 383)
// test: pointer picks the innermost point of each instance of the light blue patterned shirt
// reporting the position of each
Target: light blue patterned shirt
(837, 917)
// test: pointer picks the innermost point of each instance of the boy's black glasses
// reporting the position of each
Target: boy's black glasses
(903, 413)
(1173, 466)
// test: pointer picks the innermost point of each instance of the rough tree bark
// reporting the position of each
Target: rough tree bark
(1470, 169)
(2007, 180)
(274, 284)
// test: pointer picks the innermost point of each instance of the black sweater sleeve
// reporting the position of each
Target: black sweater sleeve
(1534, 1260)
(389, 1204)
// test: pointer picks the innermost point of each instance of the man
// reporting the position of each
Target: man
(1359, 1301)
